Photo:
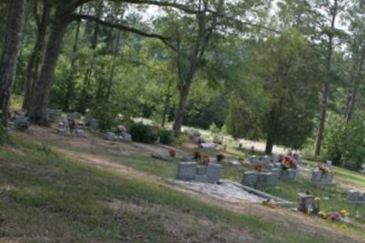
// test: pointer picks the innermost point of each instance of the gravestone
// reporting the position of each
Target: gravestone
(201, 170)
(53, 115)
(94, 124)
(272, 179)
(265, 160)
(62, 131)
(275, 158)
(186, 171)
(262, 179)
(253, 159)
(127, 137)
(319, 178)
(250, 178)
(288, 175)
(213, 172)
(353, 195)
(307, 204)
(21, 122)
(277, 165)
(276, 171)
(110, 136)
(80, 132)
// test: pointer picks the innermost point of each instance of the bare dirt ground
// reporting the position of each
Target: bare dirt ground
(284, 217)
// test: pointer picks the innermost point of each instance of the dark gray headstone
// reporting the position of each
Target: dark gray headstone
(288, 175)
(186, 171)
(253, 159)
(22, 122)
(214, 172)
(80, 132)
(201, 170)
(319, 178)
(250, 178)
(110, 136)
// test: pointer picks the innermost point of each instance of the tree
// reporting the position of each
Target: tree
(330, 32)
(357, 51)
(10, 53)
(36, 57)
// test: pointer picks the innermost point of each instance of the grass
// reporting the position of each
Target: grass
(46, 197)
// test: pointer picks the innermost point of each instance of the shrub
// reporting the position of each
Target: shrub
(143, 133)
(166, 137)
(344, 144)
(182, 138)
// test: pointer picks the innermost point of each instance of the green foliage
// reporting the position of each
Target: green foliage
(344, 143)
(182, 138)
(242, 120)
(143, 133)
(106, 116)
(167, 137)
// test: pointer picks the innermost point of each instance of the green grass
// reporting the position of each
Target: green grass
(46, 197)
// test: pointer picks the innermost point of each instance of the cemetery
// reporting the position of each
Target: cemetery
(182, 121)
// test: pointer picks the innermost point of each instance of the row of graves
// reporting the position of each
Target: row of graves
(203, 176)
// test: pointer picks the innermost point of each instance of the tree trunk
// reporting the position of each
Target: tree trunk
(38, 110)
(70, 80)
(8, 62)
(325, 91)
(37, 55)
(269, 145)
(166, 104)
(322, 117)
(179, 113)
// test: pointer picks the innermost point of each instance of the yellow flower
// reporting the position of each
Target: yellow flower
(343, 227)
(344, 213)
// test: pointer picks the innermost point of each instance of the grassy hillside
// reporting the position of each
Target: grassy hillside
(46, 197)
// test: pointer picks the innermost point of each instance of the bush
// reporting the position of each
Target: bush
(344, 144)
(182, 138)
(166, 137)
(143, 133)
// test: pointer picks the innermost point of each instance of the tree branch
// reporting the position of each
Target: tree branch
(122, 27)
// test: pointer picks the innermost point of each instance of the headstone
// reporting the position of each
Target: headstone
(253, 159)
(362, 197)
(110, 136)
(94, 124)
(319, 178)
(250, 178)
(213, 172)
(271, 179)
(62, 131)
(276, 171)
(127, 137)
(21, 122)
(201, 170)
(186, 171)
(53, 115)
(307, 204)
(80, 132)
(262, 179)
(275, 158)
(353, 195)
(277, 165)
(265, 159)
(288, 175)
